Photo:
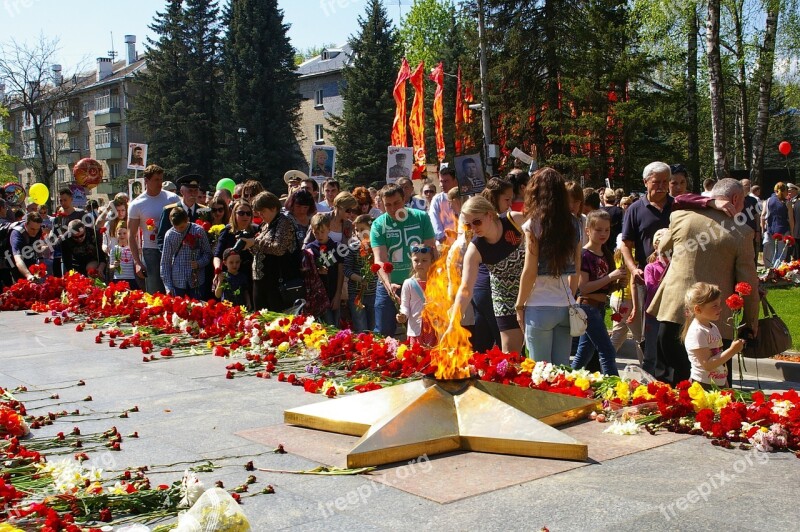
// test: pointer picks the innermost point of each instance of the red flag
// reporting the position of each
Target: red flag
(437, 76)
(399, 135)
(417, 121)
(459, 113)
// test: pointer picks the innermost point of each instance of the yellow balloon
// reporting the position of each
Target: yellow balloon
(39, 193)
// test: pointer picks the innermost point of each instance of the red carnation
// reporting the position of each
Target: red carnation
(789, 240)
(616, 317)
(218, 270)
(204, 224)
(777, 237)
(166, 352)
(150, 221)
(388, 267)
(743, 289)
(735, 302)
(375, 268)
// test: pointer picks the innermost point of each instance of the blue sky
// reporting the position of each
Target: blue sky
(84, 27)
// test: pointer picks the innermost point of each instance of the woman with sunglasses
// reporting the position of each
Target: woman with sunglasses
(498, 243)
(345, 209)
(219, 212)
(241, 219)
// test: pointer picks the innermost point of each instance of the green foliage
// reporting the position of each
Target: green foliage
(362, 132)
(7, 160)
(260, 94)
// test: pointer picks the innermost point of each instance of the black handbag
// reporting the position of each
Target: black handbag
(773, 336)
(291, 291)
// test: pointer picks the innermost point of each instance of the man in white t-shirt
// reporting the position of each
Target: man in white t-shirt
(144, 213)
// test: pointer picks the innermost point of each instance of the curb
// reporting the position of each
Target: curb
(773, 369)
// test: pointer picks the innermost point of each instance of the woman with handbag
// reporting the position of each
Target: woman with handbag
(498, 243)
(277, 280)
(546, 302)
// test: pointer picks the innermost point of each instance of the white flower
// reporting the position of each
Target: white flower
(191, 489)
(626, 428)
(782, 408)
(176, 320)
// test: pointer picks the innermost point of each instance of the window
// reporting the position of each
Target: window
(113, 170)
(320, 132)
(105, 138)
(107, 101)
(325, 55)
(86, 141)
(62, 175)
(318, 98)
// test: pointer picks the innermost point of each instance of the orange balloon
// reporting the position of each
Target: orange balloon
(87, 173)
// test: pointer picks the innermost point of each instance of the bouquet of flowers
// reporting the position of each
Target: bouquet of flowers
(735, 302)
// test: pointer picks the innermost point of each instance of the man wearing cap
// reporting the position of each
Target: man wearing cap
(292, 178)
(148, 206)
(190, 190)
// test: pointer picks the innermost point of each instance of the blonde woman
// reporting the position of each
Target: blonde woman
(499, 244)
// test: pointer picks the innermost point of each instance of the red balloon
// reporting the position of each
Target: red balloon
(785, 148)
(88, 173)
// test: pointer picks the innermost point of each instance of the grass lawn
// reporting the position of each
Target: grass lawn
(785, 301)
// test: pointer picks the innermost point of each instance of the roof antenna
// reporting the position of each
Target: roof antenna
(111, 53)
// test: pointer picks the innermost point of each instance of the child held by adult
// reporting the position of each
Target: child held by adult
(412, 298)
(121, 258)
(329, 265)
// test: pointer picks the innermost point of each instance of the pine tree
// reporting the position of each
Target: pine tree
(175, 107)
(260, 94)
(363, 130)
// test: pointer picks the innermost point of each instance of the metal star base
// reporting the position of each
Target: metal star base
(432, 416)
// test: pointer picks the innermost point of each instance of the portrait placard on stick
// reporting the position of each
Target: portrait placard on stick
(323, 163)
(398, 163)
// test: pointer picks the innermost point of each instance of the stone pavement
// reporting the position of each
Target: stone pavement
(190, 412)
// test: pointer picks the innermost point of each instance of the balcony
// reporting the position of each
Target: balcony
(69, 157)
(109, 150)
(28, 133)
(108, 117)
(67, 124)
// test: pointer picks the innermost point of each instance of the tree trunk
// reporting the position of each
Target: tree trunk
(766, 62)
(744, 107)
(691, 99)
(717, 90)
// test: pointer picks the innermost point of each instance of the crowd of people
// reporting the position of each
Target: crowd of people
(530, 249)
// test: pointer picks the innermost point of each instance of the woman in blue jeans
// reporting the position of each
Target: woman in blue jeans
(596, 283)
(548, 282)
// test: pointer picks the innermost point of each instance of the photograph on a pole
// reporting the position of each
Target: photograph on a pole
(398, 163)
(323, 162)
(469, 172)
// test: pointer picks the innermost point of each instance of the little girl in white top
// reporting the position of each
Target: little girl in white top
(412, 298)
(702, 338)
(121, 259)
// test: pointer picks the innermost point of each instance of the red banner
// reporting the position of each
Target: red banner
(459, 114)
(437, 76)
(399, 134)
(417, 120)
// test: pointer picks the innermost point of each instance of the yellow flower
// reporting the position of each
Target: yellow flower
(401, 351)
(5, 527)
(283, 347)
(582, 383)
(701, 399)
(527, 365)
(623, 392)
(641, 392)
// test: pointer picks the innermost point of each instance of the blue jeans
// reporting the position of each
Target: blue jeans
(152, 263)
(363, 318)
(596, 339)
(547, 334)
(385, 312)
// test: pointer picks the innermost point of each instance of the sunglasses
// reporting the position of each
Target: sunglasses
(426, 192)
(353, 211)
(420, 249)
(473, 223)
(218, 209)
(244, 213)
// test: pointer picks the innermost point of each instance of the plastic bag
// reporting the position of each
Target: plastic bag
(633, 372)
(214, 511)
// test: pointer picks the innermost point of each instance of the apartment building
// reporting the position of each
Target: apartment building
(319, 82)
(90, 122)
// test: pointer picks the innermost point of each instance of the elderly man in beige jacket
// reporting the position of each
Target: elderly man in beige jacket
(707, 246)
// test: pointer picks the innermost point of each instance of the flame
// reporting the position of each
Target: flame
(451, 356)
